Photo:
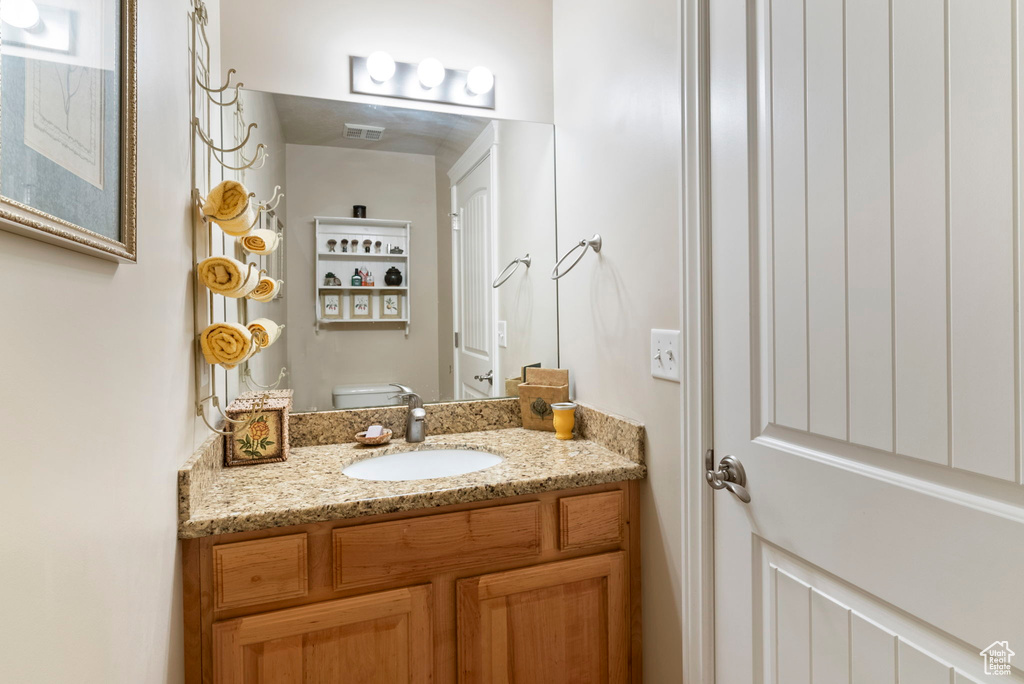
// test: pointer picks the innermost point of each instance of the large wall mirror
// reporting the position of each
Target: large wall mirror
(417, 250)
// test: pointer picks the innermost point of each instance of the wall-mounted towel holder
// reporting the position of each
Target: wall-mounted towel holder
(510, 270)
(255, 386)
(209, 160)
(593, 243)
(236, 425)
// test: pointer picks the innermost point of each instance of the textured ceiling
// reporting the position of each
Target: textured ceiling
(312, 121)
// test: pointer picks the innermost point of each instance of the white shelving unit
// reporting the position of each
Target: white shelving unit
(343, 264)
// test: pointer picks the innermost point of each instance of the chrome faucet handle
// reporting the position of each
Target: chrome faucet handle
(402, 388)
(413, 399)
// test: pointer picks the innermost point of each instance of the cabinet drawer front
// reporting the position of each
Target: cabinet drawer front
(405, 549)
(246, 573)
(591, 520)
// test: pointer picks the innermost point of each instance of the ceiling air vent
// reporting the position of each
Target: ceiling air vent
(363, 132)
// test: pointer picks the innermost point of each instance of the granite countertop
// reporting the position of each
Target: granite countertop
(310, 487)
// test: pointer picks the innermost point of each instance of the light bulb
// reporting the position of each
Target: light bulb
(480, 80)
(431, 73)
(21, 14)
(381, 66)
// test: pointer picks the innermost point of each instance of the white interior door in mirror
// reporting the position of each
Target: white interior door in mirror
(476, 356)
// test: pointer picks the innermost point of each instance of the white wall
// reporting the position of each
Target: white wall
(303, 47)
(617, 115)
(328, 181)
(97, 415)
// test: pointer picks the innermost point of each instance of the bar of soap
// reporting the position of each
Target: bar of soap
(374, 431)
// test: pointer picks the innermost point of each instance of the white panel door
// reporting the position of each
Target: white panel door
(866, 280)
(475, 356)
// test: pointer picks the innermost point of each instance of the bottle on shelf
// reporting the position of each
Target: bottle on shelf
(357, 279)
(369, 279)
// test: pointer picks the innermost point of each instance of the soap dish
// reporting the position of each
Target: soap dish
(384, 438)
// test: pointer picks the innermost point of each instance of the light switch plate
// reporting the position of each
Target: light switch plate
(503, 334)
(665, 346)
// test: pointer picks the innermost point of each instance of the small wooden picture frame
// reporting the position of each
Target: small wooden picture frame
(265, 438)
(359, 306)
(330, 305)
(390, 305)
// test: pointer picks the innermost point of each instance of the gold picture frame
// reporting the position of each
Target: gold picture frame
(330, 305)
(360, 306)
(390, 305)
(18, 215)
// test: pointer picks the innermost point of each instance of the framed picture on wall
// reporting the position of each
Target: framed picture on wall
(330, 305)
(390, 305)
(68, 125)
(359, 306)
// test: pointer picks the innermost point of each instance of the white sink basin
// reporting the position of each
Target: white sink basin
(422, 465)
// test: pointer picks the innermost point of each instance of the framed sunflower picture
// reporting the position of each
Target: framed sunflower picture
(262, 437)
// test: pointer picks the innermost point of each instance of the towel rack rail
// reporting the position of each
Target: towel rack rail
(510, 270)
(593, 243)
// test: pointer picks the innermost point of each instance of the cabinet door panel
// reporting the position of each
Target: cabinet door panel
(559, 623)
(382, 638)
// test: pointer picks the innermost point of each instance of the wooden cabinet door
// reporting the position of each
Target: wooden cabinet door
(559, 623)
(382, 638)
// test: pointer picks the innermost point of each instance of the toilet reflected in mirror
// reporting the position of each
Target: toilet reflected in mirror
(404, 257)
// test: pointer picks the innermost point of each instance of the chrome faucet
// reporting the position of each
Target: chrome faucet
(416, 421)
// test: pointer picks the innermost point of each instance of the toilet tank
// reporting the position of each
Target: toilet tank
(360, 396)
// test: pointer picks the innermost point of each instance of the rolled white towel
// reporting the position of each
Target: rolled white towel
(265, 332)
(228, 277)
(227, 344)
(231, 208)
(266, 290)
(260, 241)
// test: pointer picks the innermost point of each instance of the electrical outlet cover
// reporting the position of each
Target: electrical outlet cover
(665, 357)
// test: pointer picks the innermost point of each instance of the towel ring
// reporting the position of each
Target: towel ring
(510, 270)
(593, 243)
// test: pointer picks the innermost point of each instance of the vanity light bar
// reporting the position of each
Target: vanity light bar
(405, 83)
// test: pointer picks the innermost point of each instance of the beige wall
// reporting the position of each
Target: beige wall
(617, 114)
(328, 181)
(307, 51)
(97, 415)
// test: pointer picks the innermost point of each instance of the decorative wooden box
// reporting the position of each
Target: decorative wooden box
(543, 387)
(265, 439)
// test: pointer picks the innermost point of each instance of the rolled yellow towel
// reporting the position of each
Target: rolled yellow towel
(264, 332)
(228, 277)
(266, 290)
(261, 241)
(231, 208)
(227, 344)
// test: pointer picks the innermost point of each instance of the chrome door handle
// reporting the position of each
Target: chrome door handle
(489, 377)
(729, 475)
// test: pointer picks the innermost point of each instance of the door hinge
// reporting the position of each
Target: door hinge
(456, 340)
